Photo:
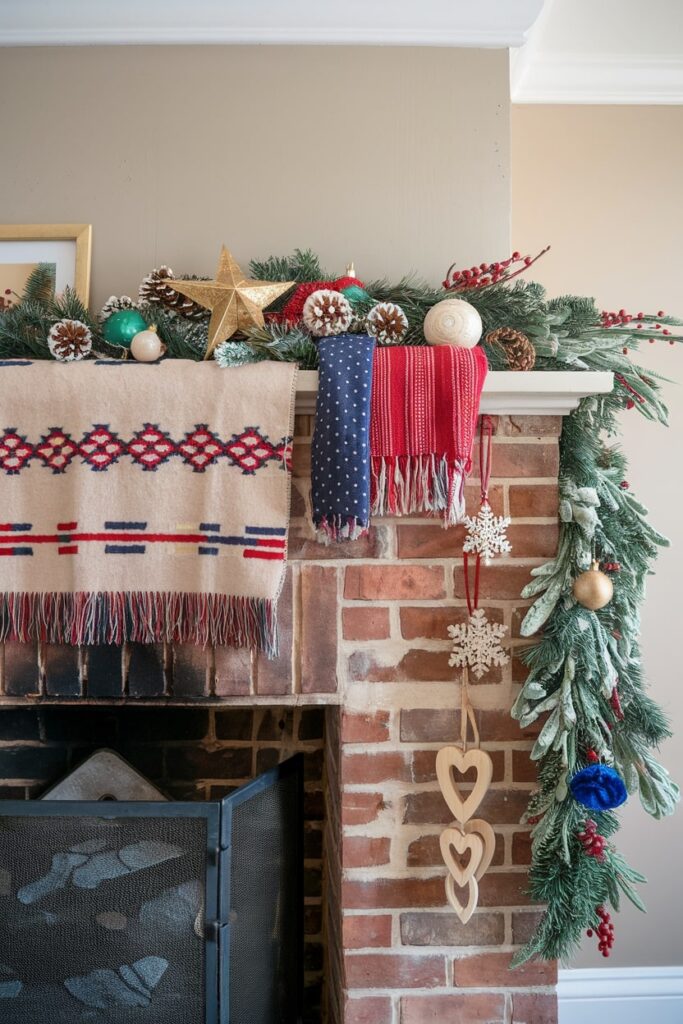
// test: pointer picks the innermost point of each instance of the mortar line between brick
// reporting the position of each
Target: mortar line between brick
(297, 626)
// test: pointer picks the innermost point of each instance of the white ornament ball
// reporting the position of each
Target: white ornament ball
(453, 322)
(146, 345)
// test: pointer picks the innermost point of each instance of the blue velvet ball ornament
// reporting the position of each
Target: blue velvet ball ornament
(599, 788)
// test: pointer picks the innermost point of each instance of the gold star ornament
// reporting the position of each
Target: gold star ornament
(236, 302)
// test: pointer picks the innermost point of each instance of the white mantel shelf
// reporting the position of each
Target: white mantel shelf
(536, 393)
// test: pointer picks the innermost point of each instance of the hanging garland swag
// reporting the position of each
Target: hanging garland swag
(585, 676)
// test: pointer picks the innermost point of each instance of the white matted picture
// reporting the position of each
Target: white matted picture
(65, 248)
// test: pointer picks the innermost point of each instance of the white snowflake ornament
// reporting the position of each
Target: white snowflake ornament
(476, 644)
(486, 534)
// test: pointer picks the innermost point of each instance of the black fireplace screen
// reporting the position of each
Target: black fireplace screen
(171, 913)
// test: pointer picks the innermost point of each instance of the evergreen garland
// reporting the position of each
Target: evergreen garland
(585, 677)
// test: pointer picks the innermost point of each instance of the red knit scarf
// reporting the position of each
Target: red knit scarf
(425, 404)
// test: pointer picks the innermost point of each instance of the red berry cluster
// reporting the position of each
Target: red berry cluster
(615, 704)
(488, 273)
(604, 931)
(624, 485)
(592, 757)
(611, 566)
(591, 840)
(622, 317)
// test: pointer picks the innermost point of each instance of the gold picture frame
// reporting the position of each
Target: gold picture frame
(71, 260)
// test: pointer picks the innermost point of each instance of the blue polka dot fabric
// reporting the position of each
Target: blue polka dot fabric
(340, 473)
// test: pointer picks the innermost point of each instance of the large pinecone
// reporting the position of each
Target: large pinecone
(156, 291)
(520, 354)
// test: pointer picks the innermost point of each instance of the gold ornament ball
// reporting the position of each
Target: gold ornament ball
(146, 345)
(593, 589)
(453, 322)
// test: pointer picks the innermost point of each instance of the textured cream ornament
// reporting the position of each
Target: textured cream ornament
(593, 589)
(453, 322)
(146, 346)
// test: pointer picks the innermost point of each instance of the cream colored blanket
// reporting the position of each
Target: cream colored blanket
(144, 502)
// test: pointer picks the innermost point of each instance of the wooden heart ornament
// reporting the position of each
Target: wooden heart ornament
(450, 760)
(488, 837)
(463, 910)
(455, 847)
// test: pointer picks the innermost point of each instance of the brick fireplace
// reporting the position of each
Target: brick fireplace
(362, 686)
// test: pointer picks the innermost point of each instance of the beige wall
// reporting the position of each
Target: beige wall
(395, 158)
(603, 185)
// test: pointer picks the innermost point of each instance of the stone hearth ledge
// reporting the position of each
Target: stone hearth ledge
(529, 393)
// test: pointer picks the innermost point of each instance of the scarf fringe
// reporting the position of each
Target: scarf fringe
(339, 528)
(404, 484)
(140, 617)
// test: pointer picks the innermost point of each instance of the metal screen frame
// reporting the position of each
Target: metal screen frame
(292, 766)
(210, 812)
(217, 889)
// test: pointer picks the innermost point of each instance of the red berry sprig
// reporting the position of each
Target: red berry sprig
(636, 396)
(615, 704)
(604, 931)
(593, 843)
(611, 566)
(592, 757)
(487, 274)
(640, 322)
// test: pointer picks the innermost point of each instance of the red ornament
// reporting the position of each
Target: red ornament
(293, 310)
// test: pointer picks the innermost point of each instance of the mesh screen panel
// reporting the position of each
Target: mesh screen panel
(265, 908)
(102, 920)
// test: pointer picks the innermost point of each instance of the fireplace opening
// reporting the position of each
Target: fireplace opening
(198, 757)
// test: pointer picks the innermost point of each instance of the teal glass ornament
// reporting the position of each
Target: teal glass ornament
(121, 327)
(355, 294)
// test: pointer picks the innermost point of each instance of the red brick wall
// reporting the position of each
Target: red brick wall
(364, 626)
(408, 960)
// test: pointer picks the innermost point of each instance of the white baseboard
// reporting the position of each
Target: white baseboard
(629, 995)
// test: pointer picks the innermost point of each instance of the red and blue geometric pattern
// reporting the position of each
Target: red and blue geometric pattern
(149, 448)
(126, 537)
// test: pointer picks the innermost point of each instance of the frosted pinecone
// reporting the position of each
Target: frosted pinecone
(69, 340)
(114, 303)
(154, 289)
(327, 313)
(387, 323)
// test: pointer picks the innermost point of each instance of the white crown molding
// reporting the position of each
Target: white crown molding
(597, 78)
(629, 995)
(532, 393)
(486, 23)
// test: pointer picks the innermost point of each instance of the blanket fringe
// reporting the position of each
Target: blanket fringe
(338, 528)
(140, 617)
(404, 484)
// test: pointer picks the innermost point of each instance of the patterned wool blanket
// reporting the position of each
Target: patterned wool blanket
(144, 502)
(424, 409)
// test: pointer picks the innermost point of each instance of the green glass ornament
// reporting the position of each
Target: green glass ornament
(121, 327)
(355, 294)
